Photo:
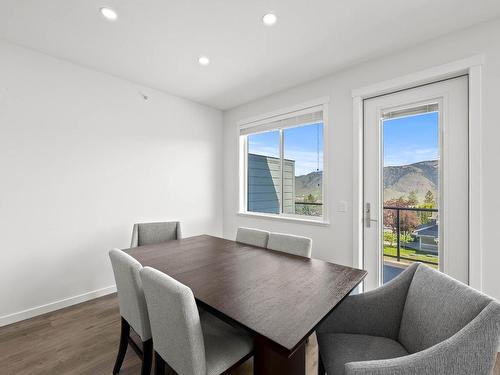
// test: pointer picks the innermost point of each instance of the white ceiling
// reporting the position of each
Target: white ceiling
(157, 42)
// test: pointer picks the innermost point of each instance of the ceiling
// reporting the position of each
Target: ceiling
(157, 42)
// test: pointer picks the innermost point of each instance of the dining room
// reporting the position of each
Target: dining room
(257, 187)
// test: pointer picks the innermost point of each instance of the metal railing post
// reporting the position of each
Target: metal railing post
(398, 234)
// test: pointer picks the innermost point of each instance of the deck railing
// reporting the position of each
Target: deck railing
(309, 208)
(310, 203)
(398, 210)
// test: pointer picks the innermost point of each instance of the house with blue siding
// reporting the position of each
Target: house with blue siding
(264, 184)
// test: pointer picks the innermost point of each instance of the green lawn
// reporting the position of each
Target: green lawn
(410, 254)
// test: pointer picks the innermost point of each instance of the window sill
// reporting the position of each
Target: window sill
(320, 221)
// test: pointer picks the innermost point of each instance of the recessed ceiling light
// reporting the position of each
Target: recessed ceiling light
(203, 60)
(109, 13)
(269, 19)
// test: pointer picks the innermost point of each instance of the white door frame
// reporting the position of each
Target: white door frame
(471, 66)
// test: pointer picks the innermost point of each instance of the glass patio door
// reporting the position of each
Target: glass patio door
(416, 181)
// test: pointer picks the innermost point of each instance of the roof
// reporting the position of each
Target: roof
(428, 230)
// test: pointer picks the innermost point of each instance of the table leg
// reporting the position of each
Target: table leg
(268, 360)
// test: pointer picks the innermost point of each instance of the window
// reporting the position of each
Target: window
(283, 165)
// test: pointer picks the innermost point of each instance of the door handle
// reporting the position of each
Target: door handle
(368, 217)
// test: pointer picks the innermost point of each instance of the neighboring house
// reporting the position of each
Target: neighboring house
(427, 236)
(264, 181)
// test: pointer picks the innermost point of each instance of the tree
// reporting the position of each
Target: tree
(408, 220)
(390, 237)
(429, 202)
(405, 237)
(413, 199)
(307, 209)
(429, 199)
(311, 198)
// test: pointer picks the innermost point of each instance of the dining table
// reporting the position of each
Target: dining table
(277, 297)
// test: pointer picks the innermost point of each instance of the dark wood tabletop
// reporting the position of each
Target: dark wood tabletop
(278, 296)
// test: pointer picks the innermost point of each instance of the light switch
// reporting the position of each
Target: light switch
(342, 206)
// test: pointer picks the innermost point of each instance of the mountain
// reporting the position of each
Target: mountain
(418, 177)
(399, 181)
(309, 184)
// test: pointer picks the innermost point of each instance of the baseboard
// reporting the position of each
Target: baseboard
(53, 306)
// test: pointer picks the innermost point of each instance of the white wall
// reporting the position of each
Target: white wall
(83, 157)
(334, 242)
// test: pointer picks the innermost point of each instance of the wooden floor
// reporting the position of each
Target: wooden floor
(83, 339)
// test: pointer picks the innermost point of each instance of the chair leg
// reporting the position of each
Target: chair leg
(159, 365)
(321, 367)
(147, 357)
(125, 332)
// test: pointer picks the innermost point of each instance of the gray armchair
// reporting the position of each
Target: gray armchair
(422, 322)
(152, 233)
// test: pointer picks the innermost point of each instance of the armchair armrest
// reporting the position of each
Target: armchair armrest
(375, 313)
(472, 350)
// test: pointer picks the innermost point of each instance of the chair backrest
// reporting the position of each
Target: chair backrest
(436, 308)
(175, 322)
(290, 243)
(254, 237)
(130, 294)
(153, 233)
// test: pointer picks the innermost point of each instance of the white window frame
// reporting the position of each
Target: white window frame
(318, 104)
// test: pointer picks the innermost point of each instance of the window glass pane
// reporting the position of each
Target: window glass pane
(303, 170)
(264, 172)
(411, 190)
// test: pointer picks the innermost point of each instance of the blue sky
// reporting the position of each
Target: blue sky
(300, 144)
(411, 139)
(407, 140)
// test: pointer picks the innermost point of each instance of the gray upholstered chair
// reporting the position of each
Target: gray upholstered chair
(420, 323)
(289, 243)
(185, 340)
(133, 309)
(251, 236)
(153, 233)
